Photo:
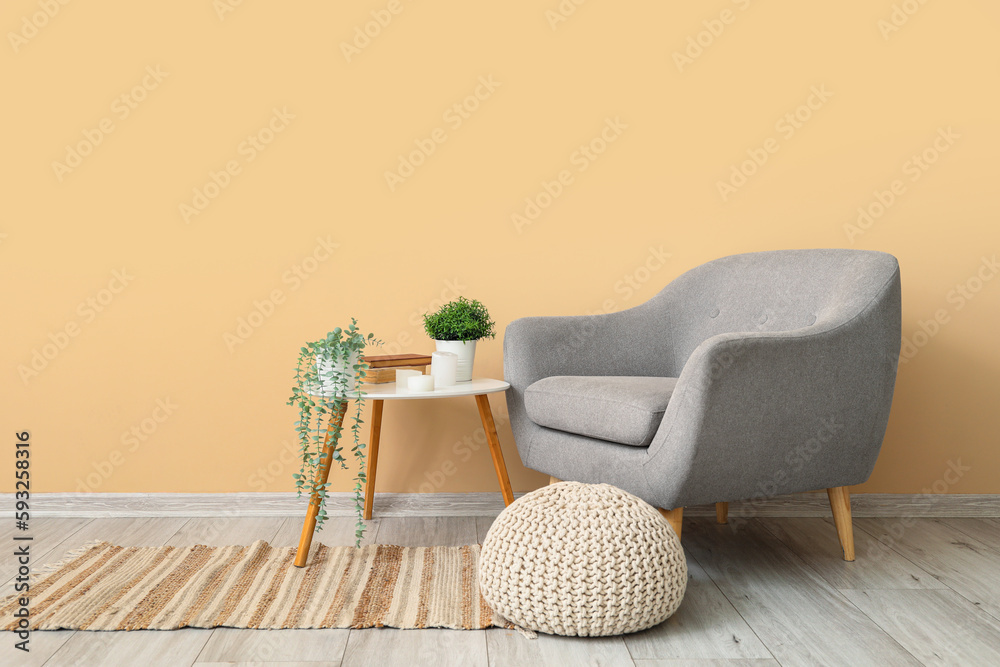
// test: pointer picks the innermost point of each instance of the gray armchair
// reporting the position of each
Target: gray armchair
(750, 376)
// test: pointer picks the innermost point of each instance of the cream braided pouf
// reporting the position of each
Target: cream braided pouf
(582, 559)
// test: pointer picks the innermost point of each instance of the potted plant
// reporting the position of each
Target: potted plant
(456, 327)
(329, 373)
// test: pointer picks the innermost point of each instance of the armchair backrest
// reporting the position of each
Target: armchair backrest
(777, 290)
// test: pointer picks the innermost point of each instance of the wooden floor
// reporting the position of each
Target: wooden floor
(761, 592)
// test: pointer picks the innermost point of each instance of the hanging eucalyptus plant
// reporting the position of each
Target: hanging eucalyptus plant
(329, 373)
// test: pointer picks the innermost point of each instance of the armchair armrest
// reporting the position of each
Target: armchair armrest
(628, 342)
(765, 413)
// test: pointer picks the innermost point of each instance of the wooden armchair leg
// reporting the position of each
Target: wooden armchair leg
(722, 512)
(674, 518)
(840, 503)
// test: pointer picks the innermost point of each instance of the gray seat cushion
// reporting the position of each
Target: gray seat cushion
(626, 410)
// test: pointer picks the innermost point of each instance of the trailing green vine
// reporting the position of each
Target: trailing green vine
(328, 374)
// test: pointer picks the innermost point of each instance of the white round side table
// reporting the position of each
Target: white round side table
(377, 394)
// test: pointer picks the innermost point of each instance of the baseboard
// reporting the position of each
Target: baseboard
(111, 505)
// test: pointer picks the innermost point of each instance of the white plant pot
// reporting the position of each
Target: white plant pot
(324, 366)
(466, 351)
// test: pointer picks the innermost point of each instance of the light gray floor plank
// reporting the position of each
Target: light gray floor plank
(388, 647)
(706, 626)
(508, 648)
(48, 534)
(226, 531)
(876, 565)
(795, 613)
(337, 531)
(423, 531)
(483, 524)
(986, 531)
(707, 663)
(147, 648)
(233, 645)
(130, 532)
(47, 531)
(324, 663)
(127, 532)
(960, 561)
(938, 627)
(7, 530)
(42, 646)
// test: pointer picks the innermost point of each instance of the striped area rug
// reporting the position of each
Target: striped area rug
(108, 587)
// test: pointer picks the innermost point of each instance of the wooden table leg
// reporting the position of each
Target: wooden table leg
(372, 457)
(483, 403)
(305, 541)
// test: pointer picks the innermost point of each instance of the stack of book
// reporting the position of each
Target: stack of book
(382, 368)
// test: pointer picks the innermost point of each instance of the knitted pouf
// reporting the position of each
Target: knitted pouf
(584, 560)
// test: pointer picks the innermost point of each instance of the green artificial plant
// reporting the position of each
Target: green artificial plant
(461, 319)
(329, 373)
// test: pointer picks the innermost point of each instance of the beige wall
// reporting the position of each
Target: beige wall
(158, 333)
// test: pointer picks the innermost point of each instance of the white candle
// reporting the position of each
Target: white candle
(403, 375)
(420, 383)
(444, 368)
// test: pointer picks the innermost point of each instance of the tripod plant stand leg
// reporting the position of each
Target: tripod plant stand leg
(336, 420)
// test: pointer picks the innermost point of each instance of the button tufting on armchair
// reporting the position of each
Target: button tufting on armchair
(750, 376)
